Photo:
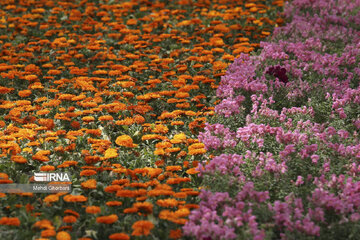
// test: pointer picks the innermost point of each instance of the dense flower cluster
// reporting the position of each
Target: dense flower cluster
(290, 119)
(114, 93)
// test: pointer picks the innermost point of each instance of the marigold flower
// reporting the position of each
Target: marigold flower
(107, 219)
(88, 119)
(120, 181)
(47, 168)
(89, 184)
(127, 121)
(130, 210)
(14, 221)
(175, 234)
(111, 153)
(180, 195)
(154, 172)
(44, 224)
(159, 128)
(24, 93)
(106, 118)
(93, 209)
(88, 172)
(48, 233)
(139, 119)
(62, 235)
(51, 198)
(119, 236)
(183, 212)
(95, 132)
(125, 141)
(75, 198)
(192, 171)
(197, 151)
(126, 193)
(160, 192)
(113, 203)
(177, 123)
(173, 168)
(41, 158)
(69, 211)
(69, 219)
(142, 228)
(182, 95)
(177, 180)
(159, 152)
(152, 136)
(31, 78)
(169, 202)
(146, 207)
(18, 159)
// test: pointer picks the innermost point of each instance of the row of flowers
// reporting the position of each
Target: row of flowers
(283, 148)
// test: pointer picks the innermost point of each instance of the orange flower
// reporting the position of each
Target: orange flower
(119, 236)
(175, 234)
(18, 159)
(130, 210)
(152, 136)
(69, 211)
(198, 151)
(113, 203)
(95, 132)
(89, 184)
(88, 172)
(159, 128)
(177, 180)
(75, 198)
(48, 233)
(142, 228)
(127, 121)
(120, 181)
(47, 168)
(131, 21)
(106, 118)
(93, 209)
(126, 193)
(107, 219)
(51, 198)
(24, 93)
(146, 207)
(180, 195)
(139, 119)
(10, 221)
(31, 78)
(44, 224)
(192, 171)
(177, 123)
(183, 212)
(173, 168)
(125, 141)
(69, 219)
(88, 119)
(169, 202)
(111, 153)
(62, 235)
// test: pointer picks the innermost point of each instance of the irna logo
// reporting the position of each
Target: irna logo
(52, 177)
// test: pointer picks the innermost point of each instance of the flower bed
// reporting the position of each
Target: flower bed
(283, 148)
(114, 93)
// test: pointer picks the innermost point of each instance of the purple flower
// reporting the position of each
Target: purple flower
(279, 73)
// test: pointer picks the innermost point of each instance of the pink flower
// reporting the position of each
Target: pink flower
(299, 181)
(314, 158)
